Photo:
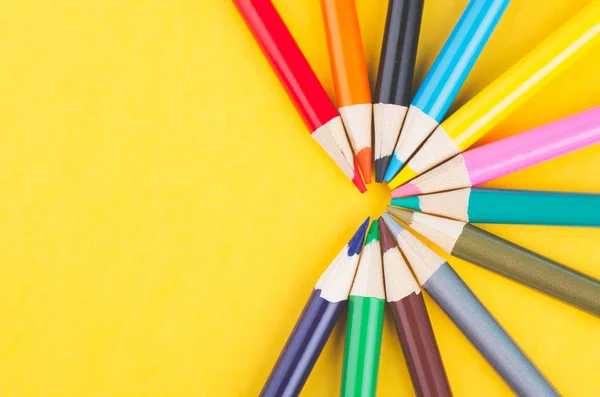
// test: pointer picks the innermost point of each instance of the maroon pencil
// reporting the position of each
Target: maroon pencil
(412, 321)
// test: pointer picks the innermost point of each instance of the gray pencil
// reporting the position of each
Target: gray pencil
(455, 298)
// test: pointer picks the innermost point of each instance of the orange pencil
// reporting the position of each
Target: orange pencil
(350, 77)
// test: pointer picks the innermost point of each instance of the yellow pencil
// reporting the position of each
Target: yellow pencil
(478, 116)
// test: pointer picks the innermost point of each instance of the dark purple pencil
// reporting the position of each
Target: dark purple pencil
(316, 322)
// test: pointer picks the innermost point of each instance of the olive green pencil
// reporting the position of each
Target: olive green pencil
(487, 250)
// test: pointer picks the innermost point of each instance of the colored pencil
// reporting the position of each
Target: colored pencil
(522, 207)
(508, 155)
(350, 78)
(455, 298)
(489, 251)
(446, 76)
(412, 322)
(365, 322)
(478, 116)
(316, 322)
(301, 83)
(394, 79)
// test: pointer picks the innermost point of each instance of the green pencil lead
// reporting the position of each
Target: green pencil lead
(373, 232)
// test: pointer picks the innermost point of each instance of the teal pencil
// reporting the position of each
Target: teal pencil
(523, 207)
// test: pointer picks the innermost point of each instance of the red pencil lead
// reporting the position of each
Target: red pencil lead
(357, 180)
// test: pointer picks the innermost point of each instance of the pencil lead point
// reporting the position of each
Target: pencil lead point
(385, 236)
(356, 242)
(357, 180)
(381, 166)
(405, 175)
(411, 202)
(392, 225)
(364, 161)
(403, 215)
(373, 233)
(406, 190)
(393, 168)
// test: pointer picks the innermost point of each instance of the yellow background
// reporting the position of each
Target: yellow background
(164, 214)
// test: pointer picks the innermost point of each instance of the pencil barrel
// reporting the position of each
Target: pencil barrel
(474, 119)
(288, 62)
(458, 56)
(534, 208)
(533, 146)
(363, 346)
(501, 256)
(486, 334)
(303, 347)
(399, 52)
(420, 348)
(347, 58)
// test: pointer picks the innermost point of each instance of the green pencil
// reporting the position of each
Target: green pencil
(365, 322)
(522, 207)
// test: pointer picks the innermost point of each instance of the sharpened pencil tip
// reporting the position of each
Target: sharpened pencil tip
(393, 226)
(393, 168)
(381, 166)
(356, 242)
(403, 215)
(373, 233)
(358, 182)
(411, 202)
(364, 161)
(406, 190)
(385, 236)
(405, 175)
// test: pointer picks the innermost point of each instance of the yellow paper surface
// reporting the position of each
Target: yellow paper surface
(164, 214)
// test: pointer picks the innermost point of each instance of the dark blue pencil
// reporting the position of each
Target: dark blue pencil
(316, 322)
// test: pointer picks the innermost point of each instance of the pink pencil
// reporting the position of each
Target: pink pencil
(508, 155)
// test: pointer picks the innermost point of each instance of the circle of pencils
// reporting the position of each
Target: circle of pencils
(426, 161)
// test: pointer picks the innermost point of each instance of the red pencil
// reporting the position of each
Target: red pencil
(301, 83)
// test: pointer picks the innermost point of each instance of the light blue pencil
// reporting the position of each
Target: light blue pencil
(455, 298)
(446, 76)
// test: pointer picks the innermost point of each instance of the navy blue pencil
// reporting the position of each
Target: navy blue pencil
(316, 322)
